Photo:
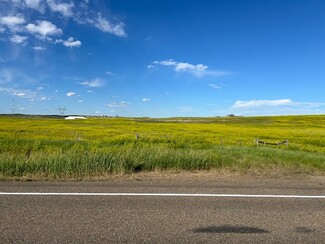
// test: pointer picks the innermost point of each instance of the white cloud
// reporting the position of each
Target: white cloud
(69, 43)
(12, 21)
(169, 62)
(72, 43)
(63, 8)
(93, 83)
(276, 107)
(35, 4)
(43, 98)
(190, 67)
(262, 103)
(106, 26)
(214, 86)
(198, 70)
(80, 101)
(44, 28)
(76, 10)
(145, 99)
(109, 73)
(38, 48)
(18, 39)
(122, 104)
(84, 16)
(70, 94)
(27, 94)
(19, 94)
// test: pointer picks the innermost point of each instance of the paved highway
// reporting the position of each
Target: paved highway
(165, 218)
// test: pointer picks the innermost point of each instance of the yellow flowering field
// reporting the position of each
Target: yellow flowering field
(53, 147)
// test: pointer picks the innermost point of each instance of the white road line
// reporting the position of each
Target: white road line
(154, 195)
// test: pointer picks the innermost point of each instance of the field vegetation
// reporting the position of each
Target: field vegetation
(54, 148)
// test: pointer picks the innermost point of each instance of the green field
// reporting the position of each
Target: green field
(53, 148)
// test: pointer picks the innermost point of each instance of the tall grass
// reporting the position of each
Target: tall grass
(54, 148)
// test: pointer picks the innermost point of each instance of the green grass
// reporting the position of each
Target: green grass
(57, 148)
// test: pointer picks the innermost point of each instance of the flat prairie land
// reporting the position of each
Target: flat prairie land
(53, 148)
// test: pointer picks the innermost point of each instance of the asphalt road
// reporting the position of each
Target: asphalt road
(164, 219)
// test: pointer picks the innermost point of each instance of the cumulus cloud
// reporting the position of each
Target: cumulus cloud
(65, 9)
(198, 70)
(18, 39)
(39, 48)
(11, 21)
(262, 103)
(93, 83)
(35, 4)
(44, 28)
(190, 67)
(19, 94)
(70, 94)
(71, 42)
(145, 99)
(14, 23)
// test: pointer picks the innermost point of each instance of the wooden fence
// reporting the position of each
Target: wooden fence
(259, 142)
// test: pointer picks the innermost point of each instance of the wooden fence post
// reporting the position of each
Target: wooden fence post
(256, 142)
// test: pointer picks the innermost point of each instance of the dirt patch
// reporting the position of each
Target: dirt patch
(208, 176)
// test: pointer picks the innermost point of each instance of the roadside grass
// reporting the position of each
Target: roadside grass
(57, 149)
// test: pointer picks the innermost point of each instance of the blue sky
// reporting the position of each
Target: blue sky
(162, 58)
